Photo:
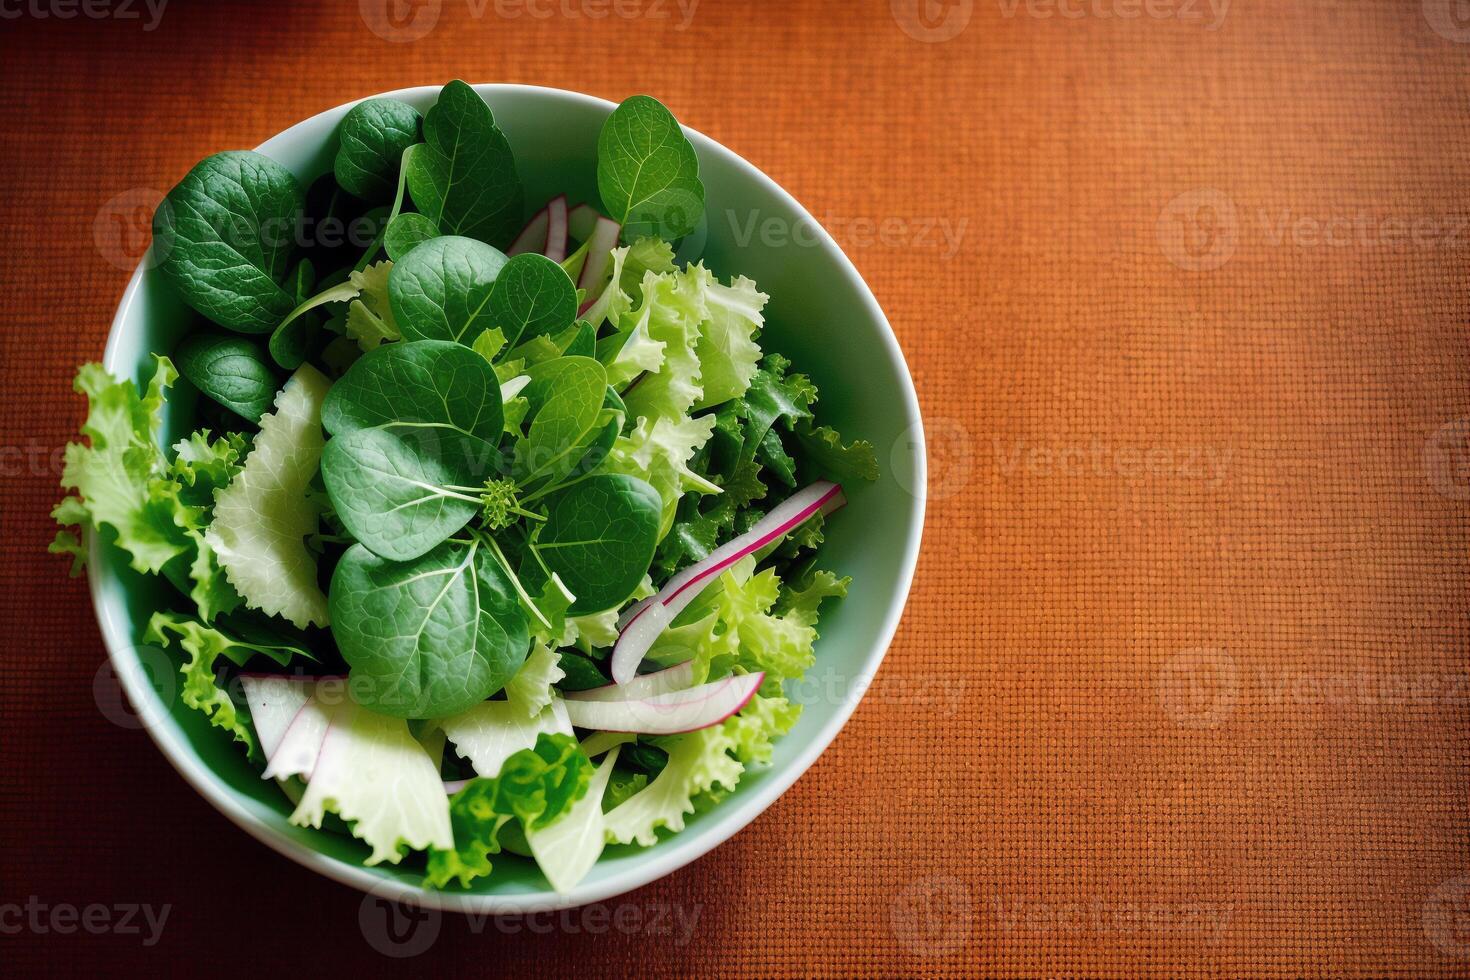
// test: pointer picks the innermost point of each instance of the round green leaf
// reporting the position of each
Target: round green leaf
(419, 383)
(565, 397)
(599, 537)
(407, 231)
(532, 296)
(374, 135)
(430, 637)
(441, 289)
(388, 486)
(224, 236)
(231, 370)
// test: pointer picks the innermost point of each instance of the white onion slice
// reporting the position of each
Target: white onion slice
(671, 713)
(674, 678)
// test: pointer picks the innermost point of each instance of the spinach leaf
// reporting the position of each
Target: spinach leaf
(430, 637)
(599, 537)
(391, 489)
(565, 398)
(374, 135)
(441, 290)
(231, 370)
(406, 231)
(532, 297)
(224, 234)
(647, 172)
(464, 176)
(415, 427)
(584, 342)
(418, 383)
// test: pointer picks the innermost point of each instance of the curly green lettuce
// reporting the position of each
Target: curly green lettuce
(155, 507)
(535, 786)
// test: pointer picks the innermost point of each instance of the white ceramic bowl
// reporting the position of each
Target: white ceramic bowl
(821, 315)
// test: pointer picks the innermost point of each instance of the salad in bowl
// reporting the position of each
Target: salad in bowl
(494, 539)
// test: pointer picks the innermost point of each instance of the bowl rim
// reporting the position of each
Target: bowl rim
(666, 857)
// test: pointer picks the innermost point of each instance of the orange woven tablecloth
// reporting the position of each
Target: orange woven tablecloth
(1182, 687)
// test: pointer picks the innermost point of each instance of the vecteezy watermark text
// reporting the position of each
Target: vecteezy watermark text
(938, 233)
(1209, 13)
(43, 918)
(1202, 464)
(401, 930)
(411, 20)
(90, 9)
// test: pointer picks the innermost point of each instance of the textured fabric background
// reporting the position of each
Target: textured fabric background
(1182, 686)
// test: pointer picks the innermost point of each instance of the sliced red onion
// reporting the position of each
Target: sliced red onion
(556, 228)
(672, 712)
(675, 678)
(599, 253)
(645, 625)
(533, 237)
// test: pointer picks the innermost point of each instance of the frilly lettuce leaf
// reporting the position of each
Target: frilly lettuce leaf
(767, 717)
(671, 311)
(530, 689)
(698, 762)
(492, 731)
(200, 690)
(262, 519)
(828, 456)
(373, 772)
(727, 349)
(658, 451)
(567, 847)
(236, 639)
(157, 508)
(370, 319)
(536, 785)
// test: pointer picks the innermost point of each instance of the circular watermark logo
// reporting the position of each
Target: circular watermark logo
(123, 228)
(1199, 230)
(951, 457)
(932, 21)
(1447, 460)
(1199, 688)
(1450, 19)
(1447, 918)
(394, 927)
(148, 667)
(400, 21)
(932, 917)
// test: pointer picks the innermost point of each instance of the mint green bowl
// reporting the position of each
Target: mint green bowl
(821, 315)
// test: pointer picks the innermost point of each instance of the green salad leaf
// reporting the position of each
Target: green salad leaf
(647, 171)
(427, 637)
(406, 232)
(373, 136)
(536, 786)
(532, 296)
(415, 427)
(263, 518)
(223, 236)
(599, 537)
(157, 509)
(232, 370)
(441, 289)
(464, 176)
(566, 398)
